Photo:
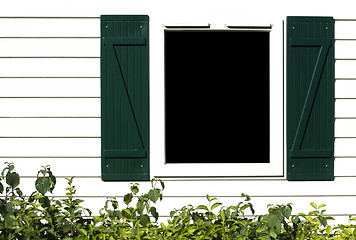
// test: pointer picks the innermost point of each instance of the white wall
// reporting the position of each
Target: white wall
(50, 98)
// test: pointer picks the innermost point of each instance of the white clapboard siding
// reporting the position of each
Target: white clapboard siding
(54, 87)
(345, 108)
(345, 55)
(50, 115)
(345, 128)
(50, 27)
(345, 88)
(52, 107)
(62, 47)
(345, 68)
(50, 67)
(57, 147)
(344, 30)
(215, 187)
(345, 166)
(50, 127)
(61, 167)
(345, 147)
(346, 49)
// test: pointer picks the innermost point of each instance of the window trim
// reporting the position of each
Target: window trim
(276, 166)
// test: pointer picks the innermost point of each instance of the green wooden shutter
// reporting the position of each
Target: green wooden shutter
(310, 98)
(125, 97)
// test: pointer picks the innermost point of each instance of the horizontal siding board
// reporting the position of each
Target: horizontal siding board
(49, 127)
(55, 147)
(345, 167)
(79, 167)
(345, 69)
(345, 128)
(50, 87)
(345, 89)
(53, 107)
(53, 67)
(345, 108)
(92, 187)
(49, 47)
(345, 49)
(342, 30)
(345, 147)
(45, 27)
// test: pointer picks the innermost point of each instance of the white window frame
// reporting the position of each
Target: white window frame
(159, 168)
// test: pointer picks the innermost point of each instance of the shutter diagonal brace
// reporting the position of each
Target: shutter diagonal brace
(324, 45)
(139, 151)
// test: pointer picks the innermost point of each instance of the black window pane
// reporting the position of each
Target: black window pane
(217, 97)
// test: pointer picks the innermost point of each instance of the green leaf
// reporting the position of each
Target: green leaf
(274, 222)
(128, 198)
(246, 196)
(191, 230)
(45, 202)
(145, 219)
(313, 205)
(12, 179)
(287, 210)
(328, 230)
(134, 189)
(210, 199)
(162, 184)
(295, 219)
(83, 231)
(251, 208)
(126, 211)
(323, 221)
(321, 206)
(172, 213)
(273, 234)
(1, 188)
(53, 180)
(140, 208)
(203, 207)
(154, 194)
(43, 185)
(154, 213)
(222, 216)
(215, 205)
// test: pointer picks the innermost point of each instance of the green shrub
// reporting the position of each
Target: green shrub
(40, 217)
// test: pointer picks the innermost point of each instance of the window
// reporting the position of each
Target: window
(217, 96)
(222, 101)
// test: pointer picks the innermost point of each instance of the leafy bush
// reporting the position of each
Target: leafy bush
(39, 217)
